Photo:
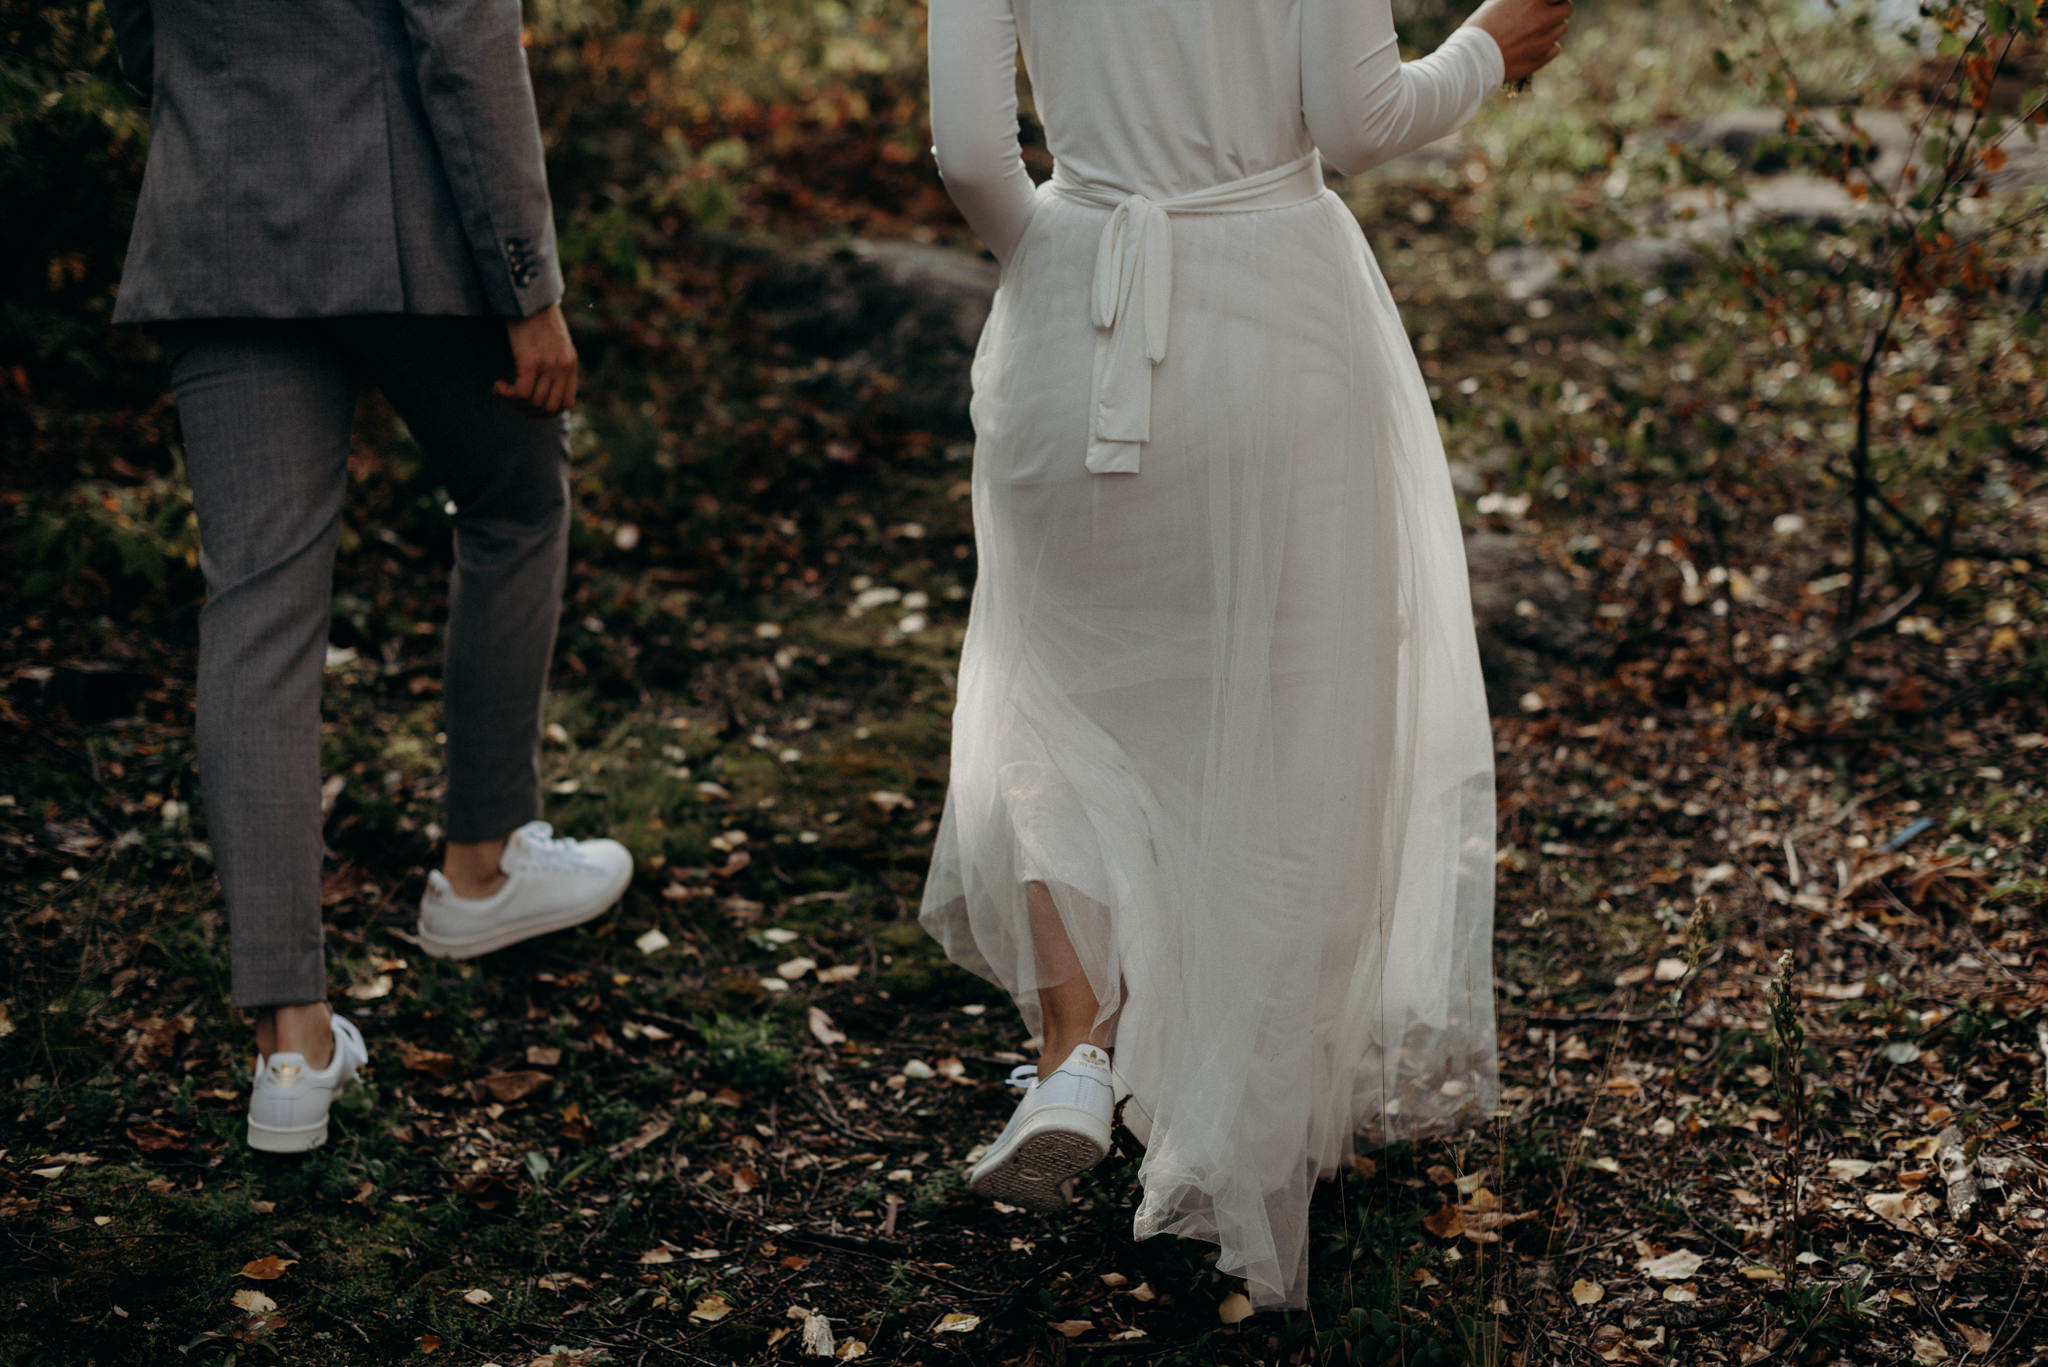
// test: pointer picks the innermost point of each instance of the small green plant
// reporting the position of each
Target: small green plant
(1788, 1079)
(742, 1051)
(1697, 942)
(935, 1193)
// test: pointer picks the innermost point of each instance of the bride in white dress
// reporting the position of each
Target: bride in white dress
(1221, 816)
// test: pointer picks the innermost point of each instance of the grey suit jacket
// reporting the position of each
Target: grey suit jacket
(316, 158)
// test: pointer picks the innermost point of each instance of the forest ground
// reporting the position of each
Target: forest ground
(1771, 968)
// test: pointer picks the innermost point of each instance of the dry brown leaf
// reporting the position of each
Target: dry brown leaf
(476, 1295)
(817, 1333)
(1977, 1339)
(1236, 1308)
(711, 1309)
(267, 1268)
(651, 1131)
(655, 1257)
(957, 1322)
(157, 1138)
(823, 1030)
(371, 989)
(511, 1087)
(562, 1281)
(254, 1301)
(427, 1061)
(1898, 1208)
(1587, 1293)
(1874, 867)
(1072, 1329)
(1446, 1223)
(1675, 1266)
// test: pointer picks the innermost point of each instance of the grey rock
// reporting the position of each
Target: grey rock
(1520, 646)
(896, 323)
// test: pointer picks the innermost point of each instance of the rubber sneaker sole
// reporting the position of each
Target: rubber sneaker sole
(1037, 1167)
(296, 1139)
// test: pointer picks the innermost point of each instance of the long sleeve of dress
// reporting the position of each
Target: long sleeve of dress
(973, 55)
(1364, 105)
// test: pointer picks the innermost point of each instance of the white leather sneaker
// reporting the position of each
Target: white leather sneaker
(1058, 1131)
(288, 1101)
(1129, 1110)
(551, 883)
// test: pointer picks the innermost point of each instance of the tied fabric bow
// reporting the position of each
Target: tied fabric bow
(1132, 298)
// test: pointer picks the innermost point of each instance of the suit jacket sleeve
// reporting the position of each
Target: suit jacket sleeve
(134, 39)
(479, 101)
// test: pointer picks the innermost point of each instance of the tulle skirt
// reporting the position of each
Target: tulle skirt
(1228, 710)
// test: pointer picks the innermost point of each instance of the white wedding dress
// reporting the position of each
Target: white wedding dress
(1220, 691)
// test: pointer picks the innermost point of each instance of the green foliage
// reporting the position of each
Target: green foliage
(72, 139)
(1897, 312)
(743, 1051)
(96, 533)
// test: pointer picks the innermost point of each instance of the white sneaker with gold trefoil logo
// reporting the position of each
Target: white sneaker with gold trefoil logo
(1059, 1130)
(288, 1101)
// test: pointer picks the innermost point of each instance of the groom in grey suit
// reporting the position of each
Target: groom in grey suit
(342, 193)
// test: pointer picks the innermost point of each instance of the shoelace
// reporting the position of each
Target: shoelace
(1023, 1075)
(541, 848)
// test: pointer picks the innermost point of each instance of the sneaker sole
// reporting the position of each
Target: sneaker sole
(296, 1139)
(475, 946)
(1039, 1169)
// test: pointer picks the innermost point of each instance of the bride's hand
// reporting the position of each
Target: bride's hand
(1529, 32)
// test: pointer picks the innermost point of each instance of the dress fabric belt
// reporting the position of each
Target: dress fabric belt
(1133, 292)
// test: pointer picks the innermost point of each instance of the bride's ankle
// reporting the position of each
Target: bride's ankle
(1059, 1050)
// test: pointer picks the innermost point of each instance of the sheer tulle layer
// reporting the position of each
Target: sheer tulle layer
(1229, 711)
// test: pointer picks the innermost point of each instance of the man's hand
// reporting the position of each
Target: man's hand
(1530, 32)
(545, 360)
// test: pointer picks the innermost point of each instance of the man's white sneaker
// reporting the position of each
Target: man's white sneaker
(1058, 1131)
(551, 883)
(288, 1101)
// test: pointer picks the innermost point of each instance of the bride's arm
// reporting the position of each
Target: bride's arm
(1364, 104)
(973, 53)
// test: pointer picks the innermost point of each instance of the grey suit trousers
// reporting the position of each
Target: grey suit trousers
(266, 407)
